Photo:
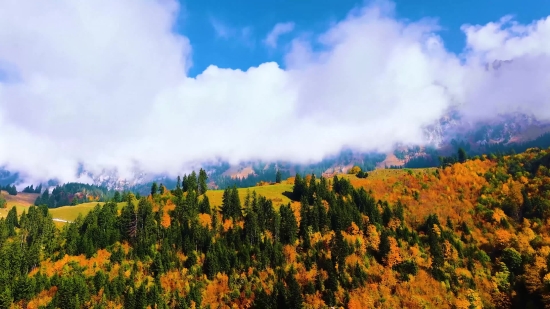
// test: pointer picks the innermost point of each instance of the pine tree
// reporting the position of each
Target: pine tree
(117, 197)
(235, 203)
(6, 298)
(203, 178)
(191, 183)
(299, 188)
(204, 206)
(251, 229)
(226, 208)
(185, 183)
(278, 177)
(289, 227)
(462, 156)
(304, 217)
(154, 189)
(295, 298)
(312, 189)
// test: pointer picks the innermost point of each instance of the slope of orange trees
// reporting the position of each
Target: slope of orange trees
(472, 235)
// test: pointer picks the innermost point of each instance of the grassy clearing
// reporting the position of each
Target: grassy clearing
(273, 192)
(70, 213)
(21, 201)
(382, 174)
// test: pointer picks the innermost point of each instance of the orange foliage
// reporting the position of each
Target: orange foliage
(93, 264)
(373, 237)
(42, 299)
(360, 299)
(502, 238)
(394, 256)
(314, 301)
(227, 225)
(165, 220)
(290, 254)
(205, 220)
(174, 280)
(215, 292)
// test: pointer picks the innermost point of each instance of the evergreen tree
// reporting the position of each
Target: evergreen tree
(117, 197)
(289, 227)
(231, 204)
(191, 182)
(204, 206)
(11, 221)
(462, 156)
(236, 203)
(304, 217)
(295, 298)
(278, 177)
(203, 178)
(299, 188)
(154, 189)
(312, 189)
(6, 298)
(184, 183)
(251, 228)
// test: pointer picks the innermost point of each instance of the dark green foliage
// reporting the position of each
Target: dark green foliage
(117, 198)
(300, 188)
(231, 204)
(462, 156)
(204, 206)
(289, 226)
(512, 259)
(341, 186)
(12, 221)
(6, 298)
(72, 194)
(405, 269)
(278, 177)
(203, 178)
(31, 189)
(294, 300)
(10, 189)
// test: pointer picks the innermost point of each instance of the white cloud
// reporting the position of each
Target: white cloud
(106, 85)
(276, 32)
(222, 30)
(226, 32)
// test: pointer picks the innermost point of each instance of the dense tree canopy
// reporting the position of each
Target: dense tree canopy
(469, 235)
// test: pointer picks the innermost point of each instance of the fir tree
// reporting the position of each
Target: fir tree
(289, 227)
(203, 178)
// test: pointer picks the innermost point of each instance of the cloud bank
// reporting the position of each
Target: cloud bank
(106, 86)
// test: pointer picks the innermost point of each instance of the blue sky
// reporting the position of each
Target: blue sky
(247, 22)
(378, 80)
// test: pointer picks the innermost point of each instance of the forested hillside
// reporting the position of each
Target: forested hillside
(72, 194)
(470, 235)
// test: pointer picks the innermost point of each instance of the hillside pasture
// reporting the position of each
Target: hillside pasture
(273, 192)
(21, 201)
(70, 213)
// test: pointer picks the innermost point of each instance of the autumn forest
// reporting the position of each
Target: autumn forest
(471, 234)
